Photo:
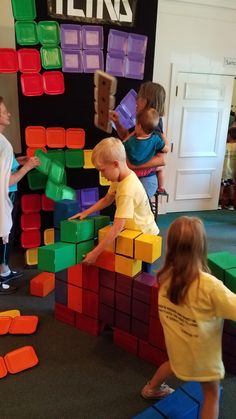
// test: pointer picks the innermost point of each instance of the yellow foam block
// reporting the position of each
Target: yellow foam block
(102, 232)
(31, 256)
(103, 181)
(10, 313)
(147, 247)
(87, 159)
(125, 242)
(48, 236)
(127, 266)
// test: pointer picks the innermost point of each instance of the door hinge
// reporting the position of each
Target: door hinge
(176, 90)
(171, 147)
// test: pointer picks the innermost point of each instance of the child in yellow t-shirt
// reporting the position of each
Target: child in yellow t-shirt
(132, 206)
(192, 306)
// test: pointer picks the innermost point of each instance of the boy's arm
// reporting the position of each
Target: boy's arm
(115, 230)
(99, 205)
(31, 163)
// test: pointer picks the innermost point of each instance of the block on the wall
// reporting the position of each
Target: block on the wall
(148, 248)
(230, 279)
(65, 209)
(102, 234)
(77, 231)
(56, 257)
(125, 242)
(127, 266)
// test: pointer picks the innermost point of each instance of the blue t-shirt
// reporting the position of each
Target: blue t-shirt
(14, 168)
(141, 151)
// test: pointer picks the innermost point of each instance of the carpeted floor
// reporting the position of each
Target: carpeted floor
(83, 377)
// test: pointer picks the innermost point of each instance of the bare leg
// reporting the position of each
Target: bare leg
(160, 177)
(211, 395)
(155, 388)
(161, 374)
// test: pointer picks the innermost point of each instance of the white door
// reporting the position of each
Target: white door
(199, 116)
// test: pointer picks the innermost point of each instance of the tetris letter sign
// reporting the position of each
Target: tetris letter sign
(120, 12)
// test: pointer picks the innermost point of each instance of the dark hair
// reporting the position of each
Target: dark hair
(186, 255)
(154, 94)
(148, 119)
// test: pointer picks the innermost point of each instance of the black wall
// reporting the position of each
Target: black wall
(75, 108)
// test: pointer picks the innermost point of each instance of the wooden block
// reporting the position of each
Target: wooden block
(42, 284)
(147, 247)
(105, 88)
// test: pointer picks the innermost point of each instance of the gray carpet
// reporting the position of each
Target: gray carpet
(84, 377)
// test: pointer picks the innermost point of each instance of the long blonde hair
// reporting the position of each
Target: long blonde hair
(154, 94)
(186, 255)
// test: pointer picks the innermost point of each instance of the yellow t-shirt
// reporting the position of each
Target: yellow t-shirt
(132, 203)
(229, 168)
(193, 331)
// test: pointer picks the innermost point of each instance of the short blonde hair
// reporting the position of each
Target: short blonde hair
(107, 151)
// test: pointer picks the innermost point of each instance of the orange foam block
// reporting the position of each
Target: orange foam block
(42, 284)
(20, 359)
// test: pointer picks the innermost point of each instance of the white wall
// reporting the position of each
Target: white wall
(8, 82)
(194, 37)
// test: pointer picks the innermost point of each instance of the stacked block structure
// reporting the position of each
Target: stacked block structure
(114, 291)
(223, 266)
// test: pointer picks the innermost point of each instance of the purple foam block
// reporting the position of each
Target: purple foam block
(124, 118)
(141, 311)
(72, 61)
(89, 196)
(123, 303)
(128, 103)
(71, 36)
(107, 278)
(92, 37)
(115, 65)
(124, 284)
(143, 284)
(117, 42)
(106, 314)
(107, 296)
(92, 60)
(139, 329)
(134, 68)
(122, 321)
(137, 46)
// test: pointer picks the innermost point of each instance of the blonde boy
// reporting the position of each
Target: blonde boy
(132, 206)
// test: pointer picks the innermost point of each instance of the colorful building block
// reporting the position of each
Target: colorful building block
(127, 266)
(82, 249)
(76, 231)
(63, 210)
(102, 234)
(100, 221)
(219, 262)
(125, 242)
(42, 284)
(148, 248)
(56, 257)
